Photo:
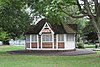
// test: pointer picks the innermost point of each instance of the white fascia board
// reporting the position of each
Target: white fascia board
(44, 27)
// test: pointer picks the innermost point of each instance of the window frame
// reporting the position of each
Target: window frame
(69, 37)
(35, 38)
(27, 40)
(59, 36)
(46, 38)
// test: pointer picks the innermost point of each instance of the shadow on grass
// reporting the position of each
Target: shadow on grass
(52, 52)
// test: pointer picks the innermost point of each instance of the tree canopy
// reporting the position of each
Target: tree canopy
(61, 9)
(3, 35)
(13, 17)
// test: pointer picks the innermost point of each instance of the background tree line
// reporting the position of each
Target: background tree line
(15, 19)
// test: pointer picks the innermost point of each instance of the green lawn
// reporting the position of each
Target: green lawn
(12, 60)
(91, 46)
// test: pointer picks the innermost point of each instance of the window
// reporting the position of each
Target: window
(47, 37)
(70, 37)
(27, 38)
(34, 38)
(61, 37)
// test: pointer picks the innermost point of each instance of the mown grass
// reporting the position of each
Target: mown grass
(4, 49)
(16, 60)
(90, 46)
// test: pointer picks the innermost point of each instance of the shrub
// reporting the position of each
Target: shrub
(80, 45)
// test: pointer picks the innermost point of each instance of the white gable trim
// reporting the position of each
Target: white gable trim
(45, 27)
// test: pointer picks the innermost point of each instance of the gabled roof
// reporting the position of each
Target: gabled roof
(57, 28)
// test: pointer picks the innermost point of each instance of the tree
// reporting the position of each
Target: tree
(89, 34)
(50, 9)
(13, 17)
(4, 36)
(58, 9)
(91, 8)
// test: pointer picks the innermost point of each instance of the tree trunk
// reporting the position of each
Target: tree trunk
(6, 42)
(98, 34)
(98, 21)
(97, 27)
(96, 24)
(98, 30)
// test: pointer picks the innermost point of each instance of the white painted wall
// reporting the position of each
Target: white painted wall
(70, 44)
(1, 43)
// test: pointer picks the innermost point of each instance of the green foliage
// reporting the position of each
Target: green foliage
(4, 35)
(55, 11)
(13, 17)
(15, 20)
(50, 9)
(80, 45)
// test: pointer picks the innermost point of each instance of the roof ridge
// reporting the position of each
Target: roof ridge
(63, 28)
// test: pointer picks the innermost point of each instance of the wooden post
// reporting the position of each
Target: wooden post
(65, 41)
(30, 41)
(53, 41)
(37, 42)
(41, 41)
(56, 41)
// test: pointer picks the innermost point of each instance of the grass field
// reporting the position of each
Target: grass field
(12, 60)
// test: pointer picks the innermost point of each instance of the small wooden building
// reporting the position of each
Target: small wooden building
(47, 36)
